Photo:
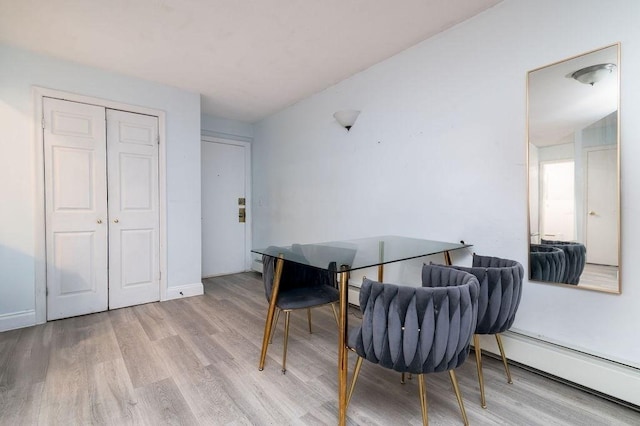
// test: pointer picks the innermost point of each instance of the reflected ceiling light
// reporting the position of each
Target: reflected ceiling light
(346, 118)
(593, 74)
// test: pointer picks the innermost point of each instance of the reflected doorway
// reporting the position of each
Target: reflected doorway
(557, 193)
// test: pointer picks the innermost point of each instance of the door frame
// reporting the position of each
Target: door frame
(40, 272)
(247, 190)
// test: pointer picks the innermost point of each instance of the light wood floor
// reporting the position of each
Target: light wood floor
(194, 361)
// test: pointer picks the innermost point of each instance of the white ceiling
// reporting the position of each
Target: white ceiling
(248, 59)
(558, 104)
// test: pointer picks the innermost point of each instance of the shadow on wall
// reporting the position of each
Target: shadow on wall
(17, 281)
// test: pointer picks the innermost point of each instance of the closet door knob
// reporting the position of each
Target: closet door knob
(115, 221)
(99, 220)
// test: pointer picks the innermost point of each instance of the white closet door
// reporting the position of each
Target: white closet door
(76, 208)
(134, 256)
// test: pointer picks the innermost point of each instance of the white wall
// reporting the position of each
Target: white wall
(226, 129)
(19, 71)
(438, 152)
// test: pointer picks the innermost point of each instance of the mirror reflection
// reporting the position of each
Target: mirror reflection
(573, 153)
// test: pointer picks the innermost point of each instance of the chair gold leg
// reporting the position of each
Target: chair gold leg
(272, 307)
(287, 316)
(309, 319)
(354, 379)
(504, 358)
(454, 382)
(423, 399)
(402, 379)
(335, 314)
(274, 325)
(477, 350)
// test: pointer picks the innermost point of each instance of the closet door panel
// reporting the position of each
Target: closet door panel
(134, 256)
(76, 208)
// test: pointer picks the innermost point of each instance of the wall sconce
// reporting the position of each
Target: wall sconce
(593, 74)
(346, 118)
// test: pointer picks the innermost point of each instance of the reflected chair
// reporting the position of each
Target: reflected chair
(575, 257)
(301, 287)
(547, 263)
(417, 330)
(500, 292)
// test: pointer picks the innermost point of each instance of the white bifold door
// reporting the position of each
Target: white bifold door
(102, 214)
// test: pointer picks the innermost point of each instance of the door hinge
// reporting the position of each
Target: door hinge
(43, 125)
(46, 291)
(158, 140)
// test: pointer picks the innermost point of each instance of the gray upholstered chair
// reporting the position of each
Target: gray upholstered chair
(417, 330)
(301, 287)
(547, 263)
(575, 258)
(500, 292)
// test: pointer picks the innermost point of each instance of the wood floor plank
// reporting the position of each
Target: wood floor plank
(143, 364)
(65, 397)
(111, 395)
(163, 404)
(202, 390)
(30, 355)
(8, 341)
(153, 321)
(20, 405)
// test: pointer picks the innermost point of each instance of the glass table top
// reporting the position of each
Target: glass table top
(359, 253)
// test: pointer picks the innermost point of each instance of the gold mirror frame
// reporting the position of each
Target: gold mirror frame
(573, 109)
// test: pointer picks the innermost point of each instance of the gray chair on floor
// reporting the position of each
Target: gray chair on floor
(575, 258)
(500, 291)
(547, 263)
(418, 330)
(301, 287)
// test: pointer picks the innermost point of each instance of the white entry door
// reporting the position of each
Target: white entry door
(102, 215)
(134, 254)
(224, 167)
(602, 207)
(76, 208)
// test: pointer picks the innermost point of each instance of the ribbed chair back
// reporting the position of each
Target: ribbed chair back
(418, 329)
(547, 263)
(575, 259)
(500, 293)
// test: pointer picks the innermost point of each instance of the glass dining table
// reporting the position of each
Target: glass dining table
(348, 255)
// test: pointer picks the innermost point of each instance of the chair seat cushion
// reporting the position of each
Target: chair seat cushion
(307, 297)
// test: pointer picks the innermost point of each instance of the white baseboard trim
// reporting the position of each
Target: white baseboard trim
(17, 320)
(608, 377)
(187, 290)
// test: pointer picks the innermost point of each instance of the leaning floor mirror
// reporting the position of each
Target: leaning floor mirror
(573, 165)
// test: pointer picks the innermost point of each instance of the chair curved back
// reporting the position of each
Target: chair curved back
(575, 256)
(295, 275)
(418, 329)
(500, 292)
(547, 263)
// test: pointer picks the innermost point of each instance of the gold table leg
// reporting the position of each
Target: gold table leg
(272, 307)
(343, 361)
(447, 258)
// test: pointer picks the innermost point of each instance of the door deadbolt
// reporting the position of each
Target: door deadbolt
(242, 215)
